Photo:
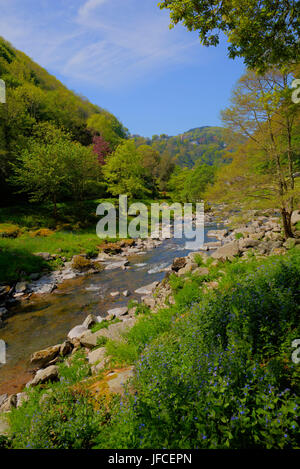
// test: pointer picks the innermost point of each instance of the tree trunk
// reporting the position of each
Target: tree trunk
(287, 225)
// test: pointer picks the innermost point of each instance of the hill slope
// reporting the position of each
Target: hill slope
(202, 145)
(34, 96)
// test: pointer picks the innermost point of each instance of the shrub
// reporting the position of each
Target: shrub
(9, 231)
(45, 232)
(81, 264)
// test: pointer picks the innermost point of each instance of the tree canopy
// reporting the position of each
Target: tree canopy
(263, 32)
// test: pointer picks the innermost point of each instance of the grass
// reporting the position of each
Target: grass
(104, 324)
(212, 371)
(30, 230)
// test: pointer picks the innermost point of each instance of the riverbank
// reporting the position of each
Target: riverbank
(193, 280)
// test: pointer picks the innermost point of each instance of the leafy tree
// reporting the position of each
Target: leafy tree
(189, 185)
(42, 172)
(150, 160)
(177, 183)
(166, 168)
(50, 168)
(263, 169)
(263, 32)
(124, 172)
(34, 97)
(197, 182)
(101, 148)
(108, 127)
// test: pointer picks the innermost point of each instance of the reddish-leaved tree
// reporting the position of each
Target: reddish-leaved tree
(101, 148)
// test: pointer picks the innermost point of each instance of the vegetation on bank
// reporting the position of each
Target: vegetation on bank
(28, 229)
(212, 371)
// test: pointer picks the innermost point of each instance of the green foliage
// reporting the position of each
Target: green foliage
(39, 106)
(15, 261)
(52, 170)
(59, 416)
(189, 185)
(108, 127)
(203, 145)
(221, 376)
(124, 172)
(211, 372)
(104, 324)
(263, 33)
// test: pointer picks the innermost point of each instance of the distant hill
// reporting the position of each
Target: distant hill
(201, 145)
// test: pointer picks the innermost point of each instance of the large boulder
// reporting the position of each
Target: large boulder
(43, 357)
(295, 217)
(248, 243)
(189, 267)
(77, 332)
(21, 287)
(66, 348)
(9, 403)
(117, 380)
(97, 356)
(228, 251)
(90, 321)
(147, 289)
(291, 242)
(113, 332)
(117, 312)
(44, 376)
(179, 263)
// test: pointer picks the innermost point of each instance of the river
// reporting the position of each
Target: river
(45, 320)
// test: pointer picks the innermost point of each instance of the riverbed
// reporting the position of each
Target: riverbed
(45, 320)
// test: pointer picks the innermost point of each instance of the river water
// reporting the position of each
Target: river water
(45, 320)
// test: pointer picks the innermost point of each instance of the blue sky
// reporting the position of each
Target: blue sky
(122, 56)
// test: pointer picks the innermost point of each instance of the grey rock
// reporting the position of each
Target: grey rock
(116, 265)
(201, 271)
(3, 398)
(66, 348)
(44, 376)
(44, 357)
(45, 255)
(179, 263)
(96, 356)
(295, 217)
(9, 403)
(147, 289)
(248, 243)
(21, 398)
(227, 251)
(89, 321)
(77, 332)
(149, 301)
(114, 332)
(114, 294)
(117, 312)
(21, 287)
(189, 267)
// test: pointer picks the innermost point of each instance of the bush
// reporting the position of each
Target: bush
(9, 231)
(81, 264)
(42, 232)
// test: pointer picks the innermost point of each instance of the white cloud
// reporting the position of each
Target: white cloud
(88, 7)
(105, 42)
